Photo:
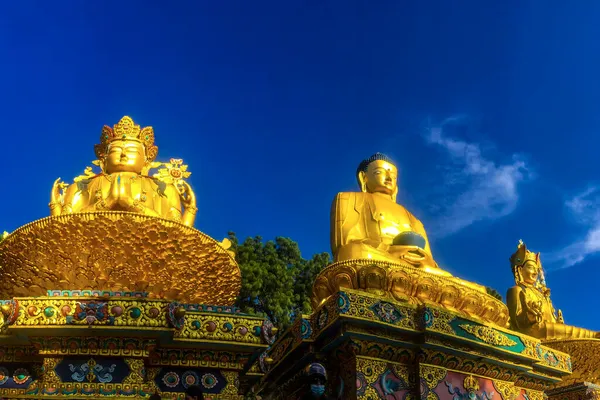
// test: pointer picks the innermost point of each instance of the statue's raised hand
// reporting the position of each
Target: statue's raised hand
(57, 189)
(188, 197)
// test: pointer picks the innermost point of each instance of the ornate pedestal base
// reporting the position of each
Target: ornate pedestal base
(580, 391)
(382, 349)
(584, 382)
(116, 345)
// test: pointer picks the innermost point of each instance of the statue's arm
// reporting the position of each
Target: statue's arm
(343, 218)
(339, 208)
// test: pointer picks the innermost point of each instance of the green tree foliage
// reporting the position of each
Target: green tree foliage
(493, 292)
(276, 280)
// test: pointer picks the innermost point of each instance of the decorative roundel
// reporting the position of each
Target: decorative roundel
(209, 381)
(189, 378)
(428, 318)
(305, 329)
(171, 379)
(21, 376)
(3, 375)
(343, 302)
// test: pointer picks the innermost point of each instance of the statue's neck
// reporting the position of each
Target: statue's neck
(382, 195)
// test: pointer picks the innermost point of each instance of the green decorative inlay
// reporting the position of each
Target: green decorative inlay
(488, 335)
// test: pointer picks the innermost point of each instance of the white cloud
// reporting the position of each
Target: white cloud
(585, 210)
(476, 187)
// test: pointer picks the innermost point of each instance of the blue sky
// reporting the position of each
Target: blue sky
(491, 110)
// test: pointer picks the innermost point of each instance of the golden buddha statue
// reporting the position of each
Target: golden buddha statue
(371, 225)
(530, 308)
(125, 155)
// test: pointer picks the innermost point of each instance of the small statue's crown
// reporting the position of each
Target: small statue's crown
(126, 129)
(522, 255)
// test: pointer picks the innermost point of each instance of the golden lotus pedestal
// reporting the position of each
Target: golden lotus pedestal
(409, 284)
(117, 305)
(117, 251)
(584, 382)
(387, 331)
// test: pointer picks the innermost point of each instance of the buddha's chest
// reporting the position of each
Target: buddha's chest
(390, 217)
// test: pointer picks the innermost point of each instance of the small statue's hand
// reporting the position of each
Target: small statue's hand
(188, 198)
(535, 310)
(57, 189)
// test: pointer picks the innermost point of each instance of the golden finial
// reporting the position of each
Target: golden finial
(471, 384)
(126, 129)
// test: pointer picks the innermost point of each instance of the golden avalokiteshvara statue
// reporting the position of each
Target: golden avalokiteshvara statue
(530, 308)
(121, 230)
(126, 153)
(370, 224)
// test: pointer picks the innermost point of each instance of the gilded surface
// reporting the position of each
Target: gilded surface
(409, 284)
(431, 376)
(370, 224)
(97, 346)
(483, 367)
(117, 251)
(584, 359)
(125, 155)
(529, 304)
(57, 311)
(507, 390)
(221, 328)
(199, 358)
(368, 370)
(488, 335)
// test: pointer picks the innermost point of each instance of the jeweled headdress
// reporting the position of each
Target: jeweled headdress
(520, 257)
(126, 129)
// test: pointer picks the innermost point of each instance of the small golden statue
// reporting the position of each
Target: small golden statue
(371, 225)
(126, 154)
(530, 308)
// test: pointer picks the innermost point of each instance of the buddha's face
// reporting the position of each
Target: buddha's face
(529, 272)
(125, 156)
(381, 177)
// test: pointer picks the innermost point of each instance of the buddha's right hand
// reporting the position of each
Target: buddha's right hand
(412, 254)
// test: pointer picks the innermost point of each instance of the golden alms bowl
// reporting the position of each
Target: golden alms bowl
(117, 251)
(584, 359)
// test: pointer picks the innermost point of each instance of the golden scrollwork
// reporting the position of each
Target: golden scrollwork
(507, 390)
(432, 375)
(232, 387)
(370, 369)
(409, 284)
(117, 251)
(488, 335)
